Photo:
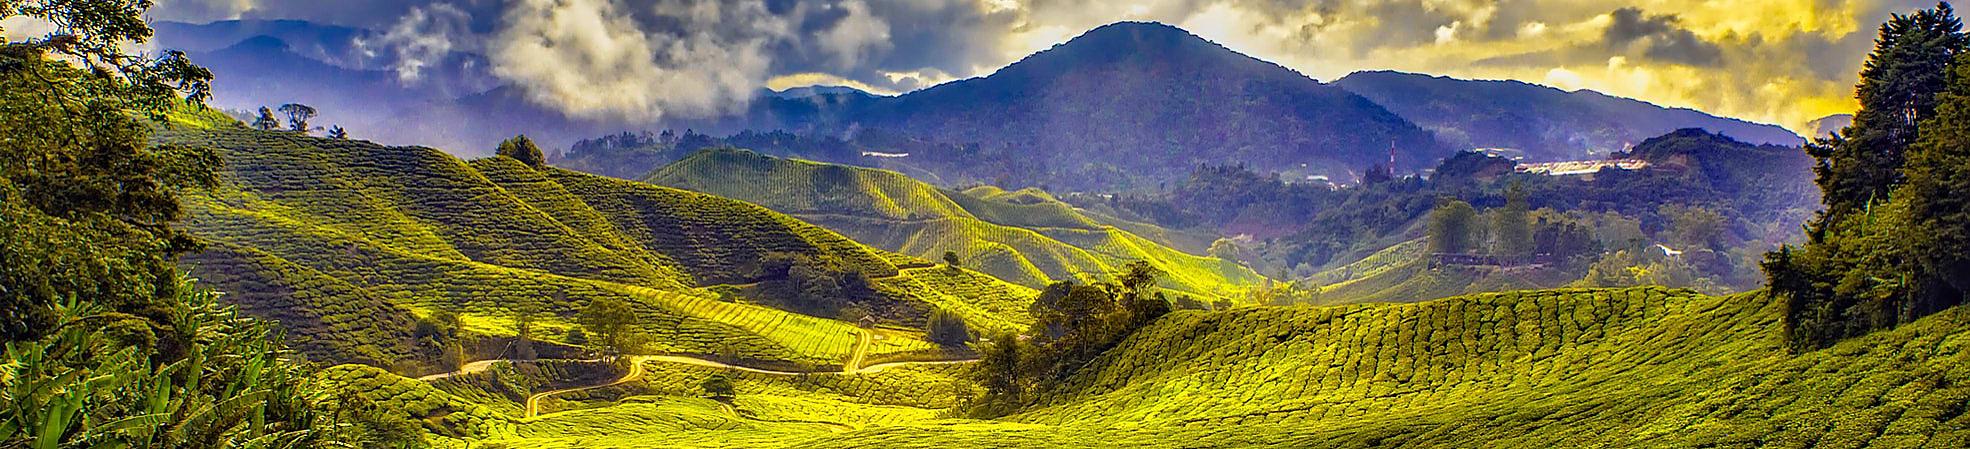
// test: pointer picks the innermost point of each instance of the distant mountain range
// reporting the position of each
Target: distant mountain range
(1125, 106)
(1544, 123)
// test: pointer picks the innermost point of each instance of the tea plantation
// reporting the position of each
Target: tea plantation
(347, 243)
(1025, 237)
(1641, 367)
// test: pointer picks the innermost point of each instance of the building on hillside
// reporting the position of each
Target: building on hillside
(1570, 168)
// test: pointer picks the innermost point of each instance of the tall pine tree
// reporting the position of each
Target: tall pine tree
(1898, 88)
(1861, 268)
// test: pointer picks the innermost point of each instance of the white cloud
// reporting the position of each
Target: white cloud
(424, 37)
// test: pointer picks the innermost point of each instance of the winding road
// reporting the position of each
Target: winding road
(636, 372)
(852, 366)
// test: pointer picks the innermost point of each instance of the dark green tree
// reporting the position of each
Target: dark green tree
(612, 321)
(1450, 227)
(718, 387)
(951, 259)
(525, 314)
(946, 328)
(524, 150)
(1512, 224)
(1897, 91)
(1865, 264)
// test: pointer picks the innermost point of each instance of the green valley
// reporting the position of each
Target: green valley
(350, 243)
(1133, 237)
(1026, 237)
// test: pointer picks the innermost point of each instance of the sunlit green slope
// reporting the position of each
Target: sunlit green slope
(1025, 237)
(348, 242)
(1640, 367)
(1403, 273)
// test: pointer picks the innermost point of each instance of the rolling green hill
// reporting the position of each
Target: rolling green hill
(1639, 367)
(348, 242)
(1026, 237)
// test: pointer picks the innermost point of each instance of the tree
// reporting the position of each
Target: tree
(524, 315)
(1867, 263)
(1000, 371)
(951, 259)
(96, 34)
(611, 320)
(107, 343)
(298, 116)
(266, 121)
(1938, 177)
(1897, 92)
(336, 132)
(1450, 227)
(718, 387)
(523, 149)
(947, 329)
(1692, 227)
(1513, 227)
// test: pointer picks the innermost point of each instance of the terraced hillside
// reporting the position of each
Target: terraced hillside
(1025, 237)
(347, 242)
(1403, 273)
(1640, 367)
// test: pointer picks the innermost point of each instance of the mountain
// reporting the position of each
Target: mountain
(347, 243)
(814, 91)
(322, 42)
(1134, 104)
(1824, 126)
(1026, 237)
(1547, 124)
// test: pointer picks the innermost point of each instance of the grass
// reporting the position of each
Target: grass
(1639, 367)
(346, 242)
(1026, 237)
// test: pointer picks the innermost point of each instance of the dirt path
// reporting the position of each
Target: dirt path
(636, 372)
(862, 337)
(469, 368)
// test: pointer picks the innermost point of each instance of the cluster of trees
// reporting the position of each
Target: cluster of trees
(1455, 228)
(443, 333)
(1073, 324)
(298, 116)
(815, 285)
(1892, 244)
(107, 344)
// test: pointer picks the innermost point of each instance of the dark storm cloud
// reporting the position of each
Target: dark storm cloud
(1659, 37)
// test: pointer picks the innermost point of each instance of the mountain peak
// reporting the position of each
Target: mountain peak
(1123, 39)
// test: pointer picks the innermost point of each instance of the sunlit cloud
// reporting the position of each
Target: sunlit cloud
(1777, 61)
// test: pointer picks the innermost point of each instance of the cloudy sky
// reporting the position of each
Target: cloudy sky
(1776, 61)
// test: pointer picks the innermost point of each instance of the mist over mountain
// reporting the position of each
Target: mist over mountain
(1830, 124)
(1546, 123)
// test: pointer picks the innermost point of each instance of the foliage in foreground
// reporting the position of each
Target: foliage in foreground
(106, 345)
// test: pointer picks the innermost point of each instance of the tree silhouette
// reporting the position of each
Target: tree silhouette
(298, 116)
(266, 121)
(336, 132)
